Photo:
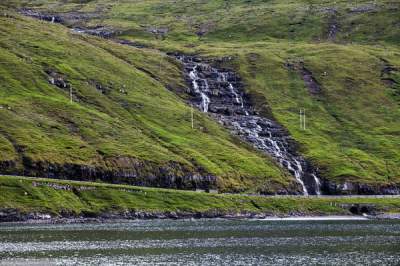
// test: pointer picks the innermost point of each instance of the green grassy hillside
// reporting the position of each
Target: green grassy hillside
(120, 116)
(192, 21)
(351, 49)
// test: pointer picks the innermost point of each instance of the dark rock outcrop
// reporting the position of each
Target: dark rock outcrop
(11, 215)
(312, 84)
(46, 17)
(333, 26)
(361, 209)
(57, 79)
(69, 18)
(73, 20)
(100, 31)
(368, 8)
(64, 217)
(353, 188)
(387, 73)
(121, 170)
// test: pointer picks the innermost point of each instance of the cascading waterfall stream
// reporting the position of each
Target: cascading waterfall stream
(205, 101)
(318, 184)
(218, 92)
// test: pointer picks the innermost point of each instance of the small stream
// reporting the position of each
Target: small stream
(219, 92)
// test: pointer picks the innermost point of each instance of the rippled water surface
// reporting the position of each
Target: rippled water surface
(203, 242)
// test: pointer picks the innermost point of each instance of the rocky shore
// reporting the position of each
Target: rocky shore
(14, 215)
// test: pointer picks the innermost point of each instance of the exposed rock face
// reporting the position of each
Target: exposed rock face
(387, 74)
(349, 188)
(309, 80)
(220, 93)
(361, 209)
(205, 28)
(333, 25)
(41, 16)
(364, 8)
(73, 20)
(58, 80)
(130, 43)
(119, 170)
(158, 32)
(69, 17)
(11, 215)
(15, 215)
(100, 31)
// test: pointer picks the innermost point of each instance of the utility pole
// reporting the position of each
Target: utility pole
(301, 118)
(160, 64)
(302, 115)
(387, 170)
(70, 94)
(159, 36)
(191, 112)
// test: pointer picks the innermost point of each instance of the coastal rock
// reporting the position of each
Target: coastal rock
(350, 188)
(11, 215)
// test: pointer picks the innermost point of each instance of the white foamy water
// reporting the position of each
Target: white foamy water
(318, 218)
(218, 92)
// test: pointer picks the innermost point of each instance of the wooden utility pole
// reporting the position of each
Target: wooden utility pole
(160, 64)
(192, 116)
(70, 94)
(302, 117)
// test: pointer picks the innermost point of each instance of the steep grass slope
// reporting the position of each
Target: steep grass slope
(338, 60)
(192, 21)
(123, 125)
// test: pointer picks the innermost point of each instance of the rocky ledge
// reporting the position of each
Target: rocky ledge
(14, 215)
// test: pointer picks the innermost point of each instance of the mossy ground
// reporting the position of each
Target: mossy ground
(35, 195)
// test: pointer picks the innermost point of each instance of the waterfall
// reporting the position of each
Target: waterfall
(237, 98)
(318, 184)
(298, 173)
(219, 92)
(205, 100)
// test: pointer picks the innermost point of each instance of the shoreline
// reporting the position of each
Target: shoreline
(108, 218)
(22, 199)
